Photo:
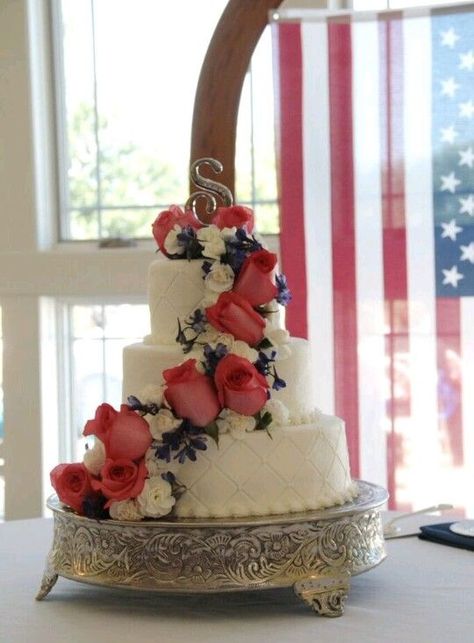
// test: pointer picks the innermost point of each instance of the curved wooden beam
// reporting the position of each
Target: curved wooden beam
(220, 83)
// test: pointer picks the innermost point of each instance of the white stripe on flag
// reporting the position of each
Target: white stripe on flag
(422, 429)
(467, 374)
(369, 251)
(317, 209)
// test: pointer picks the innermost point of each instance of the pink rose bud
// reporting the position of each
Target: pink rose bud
(121, 479)
(72, 483)
(191, 394)
(166, 221)
(256, 280)
(234, 215)
(129, 436)
(124, 433)
(240, 386)
(233, 314)
(100, 425)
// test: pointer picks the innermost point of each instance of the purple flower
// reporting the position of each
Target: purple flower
(284, 294)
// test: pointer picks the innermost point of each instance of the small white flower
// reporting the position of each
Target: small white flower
(242, 349)
(220, 278)
(172, 246)
(211, 240)
(235, 423)
(162, 422)
(280, 414)
(152, 394)
(209, 299)
(228, 233)
(125, 510)
(277, 336)
(156, 498)
(155, 466)
(94, 458)
(214, 337)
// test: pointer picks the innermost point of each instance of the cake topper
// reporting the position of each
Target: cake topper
(210, 187)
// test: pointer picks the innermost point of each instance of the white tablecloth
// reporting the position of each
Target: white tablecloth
(423, 592)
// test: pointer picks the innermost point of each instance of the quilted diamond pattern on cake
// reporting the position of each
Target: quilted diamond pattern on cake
(178, 298)
(301, 468)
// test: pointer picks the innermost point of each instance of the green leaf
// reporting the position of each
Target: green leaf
(265, 343)
(212, 431)
(263, 421)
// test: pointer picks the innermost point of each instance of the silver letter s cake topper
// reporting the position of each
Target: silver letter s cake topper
(210, 187)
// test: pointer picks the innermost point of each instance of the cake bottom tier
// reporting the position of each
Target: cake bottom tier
(299, 468)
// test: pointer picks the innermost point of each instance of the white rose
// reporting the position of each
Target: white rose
(220, 278)
(94, 458)
(172, 246)
(162, 422)
(152, 394)
(125, 510)
(156, 498)
(242, 349)
(155, 466)
(280, 414)
(213, 244)
(235, 423)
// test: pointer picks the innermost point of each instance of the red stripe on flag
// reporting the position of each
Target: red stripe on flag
(448, 335)
(292, 236)
(394, 238)
(343, 234)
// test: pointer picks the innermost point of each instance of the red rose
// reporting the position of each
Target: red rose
(233, 314)
(72, 483)
(124, 434)
(256, 280)
(166, 221)
(234, 215)
(240, 386)
(121, 479)
(191, 394)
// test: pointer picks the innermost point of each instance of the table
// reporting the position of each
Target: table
(423, 592)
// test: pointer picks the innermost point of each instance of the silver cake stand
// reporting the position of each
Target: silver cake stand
(314, 552)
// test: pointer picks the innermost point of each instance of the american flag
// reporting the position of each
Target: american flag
(376, 172)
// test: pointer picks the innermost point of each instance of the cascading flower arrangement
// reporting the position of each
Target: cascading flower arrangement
(130, 473)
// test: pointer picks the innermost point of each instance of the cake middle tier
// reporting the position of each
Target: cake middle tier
(175, 290)
(143, 365)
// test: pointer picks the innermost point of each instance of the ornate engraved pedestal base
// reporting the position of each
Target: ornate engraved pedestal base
(315, 552)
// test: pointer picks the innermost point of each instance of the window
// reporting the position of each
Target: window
(94, 337)
(125, 114)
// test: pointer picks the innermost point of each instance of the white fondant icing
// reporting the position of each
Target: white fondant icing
(300, 468)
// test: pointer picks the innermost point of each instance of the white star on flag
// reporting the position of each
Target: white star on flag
(448, 134)
(468, 252)
(450, 230)
(467, 205)
(449, 38)
(452, 276)
(466, 110)
(467, 157)
(449, 87)
(467, 60)
(449, 183)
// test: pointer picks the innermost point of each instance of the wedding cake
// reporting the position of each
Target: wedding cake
(218, 419)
